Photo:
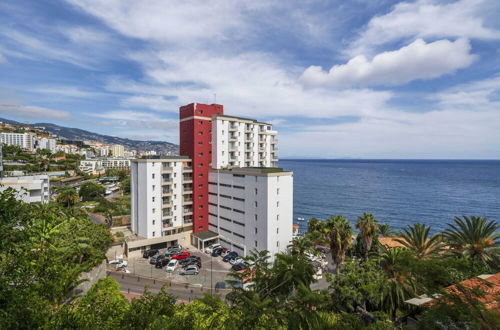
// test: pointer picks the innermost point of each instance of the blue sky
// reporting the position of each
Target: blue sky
(359, 78)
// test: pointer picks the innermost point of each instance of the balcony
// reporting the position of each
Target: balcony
(167, 202)
(188, 221)
(166, 192)
(274, 141)
(187, 201)
(167, 181)
(167, 225)
(233, 128)
(167, 214)
(167, 170)
(187, 169)
(187, 211)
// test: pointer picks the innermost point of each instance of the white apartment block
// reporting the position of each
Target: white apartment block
(117, 150)
(45, 143)
(118, 163)
(1, 160)
(251, 208)
(30, 189)
(241, 142)
(23, 140)
(162, 198)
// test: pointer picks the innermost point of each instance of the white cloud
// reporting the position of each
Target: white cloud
(65, 91)
(426, 19)
(418, 60)
(136, 119)
(28, 111)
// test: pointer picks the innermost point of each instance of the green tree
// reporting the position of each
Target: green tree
(417, 238)
(67, 196)
(368, 229)
(91, 191)
(125, 185)
(103, 307)
(475, 238)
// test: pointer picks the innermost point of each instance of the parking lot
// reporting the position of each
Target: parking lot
(213, 270)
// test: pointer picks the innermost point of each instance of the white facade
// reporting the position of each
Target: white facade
(95, 166)
(118, 163)
(31, 189)
(240, 142)
(49, 144)
(251, 208)
(24, 140)
(117, 150)
(162, 194)
(1, 160)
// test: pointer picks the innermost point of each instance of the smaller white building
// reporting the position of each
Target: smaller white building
(117, 150)
(117, 163)
(251, 208)
(162, 199)
(30, 189)
(45, 143)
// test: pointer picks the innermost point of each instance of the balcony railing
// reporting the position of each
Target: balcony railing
(167, 170)
(187, 169)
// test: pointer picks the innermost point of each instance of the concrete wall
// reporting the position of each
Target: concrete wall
(90, 278)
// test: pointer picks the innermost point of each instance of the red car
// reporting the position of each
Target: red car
(181, 255)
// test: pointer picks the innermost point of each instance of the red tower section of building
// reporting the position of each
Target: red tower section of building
(196, 143)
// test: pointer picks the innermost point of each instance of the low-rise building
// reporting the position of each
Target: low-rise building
(251, 208)
(47, 143)
(30, 189)
(117, 163)
(161, 200)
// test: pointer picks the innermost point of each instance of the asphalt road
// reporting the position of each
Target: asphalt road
(134, 284)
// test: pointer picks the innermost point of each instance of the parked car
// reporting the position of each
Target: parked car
(217, 251)
(236, 260)
(224, 252)
(181, 255)
(149, 253)
(240, 266)
(229, 256)
(153, 259)
(162, 262)
(190, 270)
(211, 248)
(173, 250)
(192, 260)
(172, 265)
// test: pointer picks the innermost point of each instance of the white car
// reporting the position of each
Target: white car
(235, 261)
(122, 264)
(172, 265)
(211, 248)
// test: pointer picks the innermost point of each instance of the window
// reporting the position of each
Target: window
(153, 176)
(154, 222)
(153, 199)
(255, 230)
(277, 244)
(278, 217)
(256, 191)
(278, 191)
(175, 207)
(255, 243)
(277, 204)
(154, 210)
(153, 234)
(277, 230)
(200, 122)
(256, 217)
(256, 204)
(153, 187)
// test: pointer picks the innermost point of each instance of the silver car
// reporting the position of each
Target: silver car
(190, 270)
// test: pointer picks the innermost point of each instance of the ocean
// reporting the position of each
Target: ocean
(397, 192)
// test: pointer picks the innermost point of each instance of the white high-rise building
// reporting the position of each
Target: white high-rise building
(23, 140)
(30, 189)
(117, 150)
(162, 198)
(242, 142)
(251, 208)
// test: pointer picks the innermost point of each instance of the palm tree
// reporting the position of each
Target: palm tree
(401, 283)
(301, 245)
(417, 239)
(367, 225)
(67, 196)
(385, 230)
(338, 234)
(474, 238)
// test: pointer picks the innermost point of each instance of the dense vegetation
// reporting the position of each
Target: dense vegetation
(40, 161)
(43, 248)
